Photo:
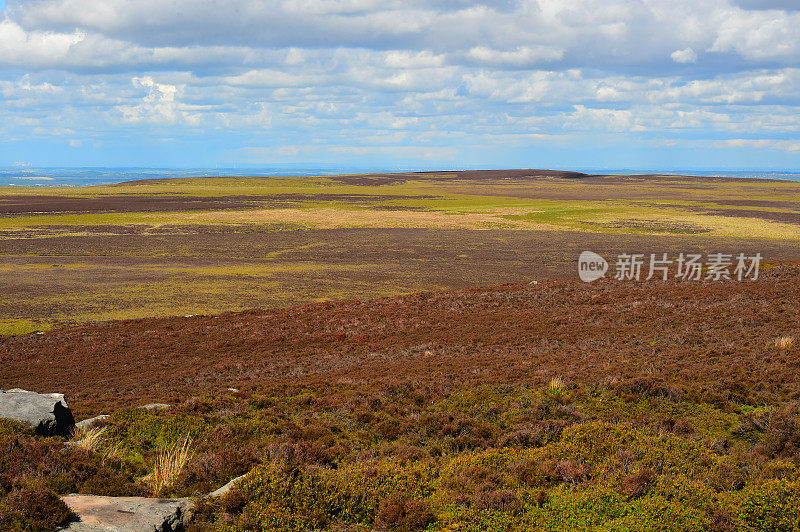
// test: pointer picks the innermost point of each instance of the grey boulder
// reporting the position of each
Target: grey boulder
(127, 514)
(93, 422)
(155, 406)
(46, 413)
(219, 492)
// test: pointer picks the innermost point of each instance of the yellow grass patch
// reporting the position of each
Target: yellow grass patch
(168, 465)
(784, 343)
(331, 218)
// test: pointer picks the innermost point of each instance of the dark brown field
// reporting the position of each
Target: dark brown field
(70, 257)
(710, 339)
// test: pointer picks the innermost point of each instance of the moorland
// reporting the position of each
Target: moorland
(407, 352)
(207, 245)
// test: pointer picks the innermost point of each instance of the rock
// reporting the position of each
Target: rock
(128, 514)
(226, 488)
(47, 413)
(93, 422)
(155, 406)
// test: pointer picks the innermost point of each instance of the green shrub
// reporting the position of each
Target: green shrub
(474, 520)
(772, 505)
(350, 494)
(599, 508)
(10, 427)
(600, 444)
(491, 458)
(138, 430)
(658, 514)
(33, 509)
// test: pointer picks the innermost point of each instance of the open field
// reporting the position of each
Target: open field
(372, 352)
(559, 406)
(189, 246)
(708, 338)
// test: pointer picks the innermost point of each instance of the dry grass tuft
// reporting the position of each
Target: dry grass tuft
(114, 452)
(95, 440)
(168, 465)
(89, 439)
(556, 384)
(784, 343)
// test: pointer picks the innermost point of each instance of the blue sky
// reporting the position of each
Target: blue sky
(672, 84)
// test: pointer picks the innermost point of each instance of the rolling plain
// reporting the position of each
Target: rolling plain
(408, 351)
(194, 246)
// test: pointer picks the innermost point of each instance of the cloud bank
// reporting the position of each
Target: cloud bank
(450, 83)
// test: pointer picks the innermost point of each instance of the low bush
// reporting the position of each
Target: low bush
(636, 485)
(772, 505)
(348, 495)
(399, 514)
(33, 509)
(782, 438)
(486, 458)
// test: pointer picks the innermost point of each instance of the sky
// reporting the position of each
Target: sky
(401, 84)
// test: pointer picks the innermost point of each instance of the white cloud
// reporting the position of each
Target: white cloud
(271, 78)
(160, 106)
(687, 55)
(25, 88)
(35, 48)
(604, 119)
(759, 35)
(396, 152)
(407, 59)
(258, 115)
(594, 33)
(519, 57)
(416, 152)
(331, 7)
(388, 71)
(777, 144)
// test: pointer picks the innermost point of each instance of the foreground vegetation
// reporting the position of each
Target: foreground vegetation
(634, 455)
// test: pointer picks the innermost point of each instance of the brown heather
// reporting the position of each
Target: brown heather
(711, 340)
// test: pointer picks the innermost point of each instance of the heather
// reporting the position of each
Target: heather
(404, 457)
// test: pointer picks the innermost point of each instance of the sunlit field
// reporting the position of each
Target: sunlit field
(200, 245)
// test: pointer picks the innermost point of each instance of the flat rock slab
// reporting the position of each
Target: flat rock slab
(46, 413)
(127, 514)
(227, 487)
(155, 406)
(93, 422)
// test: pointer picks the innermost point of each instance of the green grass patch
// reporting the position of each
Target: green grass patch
(22, 326)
